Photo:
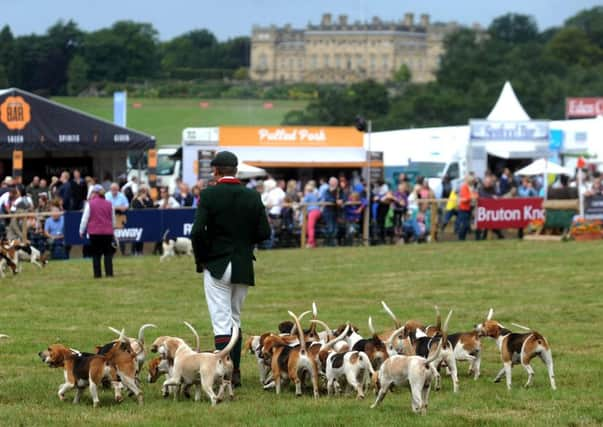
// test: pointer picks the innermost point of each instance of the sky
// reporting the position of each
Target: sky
(236, 17)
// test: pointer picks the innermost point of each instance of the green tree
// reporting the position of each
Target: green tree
(591, 22)
(126, 50)
(572, 46)
(241, 74)
(403, 75)
(77, 75)
(7, 45)
(3, 77)
(514, 28)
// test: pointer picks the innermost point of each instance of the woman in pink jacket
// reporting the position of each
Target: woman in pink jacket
(98, 221)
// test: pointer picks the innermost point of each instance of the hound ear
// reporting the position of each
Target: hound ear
(490, 314)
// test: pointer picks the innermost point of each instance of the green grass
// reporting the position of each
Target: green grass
(165, 118)
(555, 288)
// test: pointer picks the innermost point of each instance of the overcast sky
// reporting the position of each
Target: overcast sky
(236, 17)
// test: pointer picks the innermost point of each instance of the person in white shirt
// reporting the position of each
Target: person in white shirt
(165, 200)
(275, 196)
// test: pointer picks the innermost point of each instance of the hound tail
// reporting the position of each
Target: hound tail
(233, 340)
(390, 341)
(165, 235)
(438, 318)
(197, 340)
(141, 332)
(314, 317)
(300, 331)
(522, 327)
(444, 339)
(301, 316)
(327, 329)
(332, 341)
(397, 321)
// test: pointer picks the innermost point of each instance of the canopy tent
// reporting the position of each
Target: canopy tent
(245, 171)
(49, 137)
(543, 166)
(29, 122)
(508, 107)
(507, 133)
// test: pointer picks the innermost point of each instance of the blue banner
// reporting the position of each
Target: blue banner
(144, 225)
(120, 108)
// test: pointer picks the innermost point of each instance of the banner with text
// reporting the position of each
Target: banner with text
(528, 130)
(581, 108)
(508, 213)
(144, 225)
(290, 136)
(593, 207)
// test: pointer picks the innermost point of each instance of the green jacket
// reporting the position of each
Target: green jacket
(230, 220)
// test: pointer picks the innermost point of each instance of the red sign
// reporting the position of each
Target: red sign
(583, 107)
(268, 105)
(204, 104)
(508, 213)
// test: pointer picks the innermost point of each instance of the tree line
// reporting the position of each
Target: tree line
(66, 60)
(544, 68)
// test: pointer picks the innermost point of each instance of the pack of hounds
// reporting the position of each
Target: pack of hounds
(333, 360)
(13, 253)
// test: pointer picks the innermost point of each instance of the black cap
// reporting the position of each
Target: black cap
(225, 158)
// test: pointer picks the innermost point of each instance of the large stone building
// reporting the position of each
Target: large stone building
(337, 51)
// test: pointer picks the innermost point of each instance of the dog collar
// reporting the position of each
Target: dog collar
(229, 180)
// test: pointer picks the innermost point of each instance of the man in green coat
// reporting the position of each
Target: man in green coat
(229, 222)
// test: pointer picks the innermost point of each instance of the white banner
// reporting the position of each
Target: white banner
(530, 130)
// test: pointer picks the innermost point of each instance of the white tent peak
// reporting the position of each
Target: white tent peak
(508, 107)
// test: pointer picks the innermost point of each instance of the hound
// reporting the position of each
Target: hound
(211, 368)
(400, 369)
(425, 346)
(175, 247)
(82, 370)
(27, 252)
(290, 362)
(373, 347)
(137, 344)
(353, 366)
(518, 349)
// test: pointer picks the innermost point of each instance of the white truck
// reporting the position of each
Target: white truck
(169, 167)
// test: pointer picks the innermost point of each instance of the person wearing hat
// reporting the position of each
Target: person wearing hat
(98, 221)
(230, 220)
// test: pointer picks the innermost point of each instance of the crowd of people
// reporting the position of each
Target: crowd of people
(334, 206)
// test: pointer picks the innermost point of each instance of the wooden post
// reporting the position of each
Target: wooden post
(18, 166)
(152, 173)
(24, 229)
(304, 225)
(366, 229)
(434, 221)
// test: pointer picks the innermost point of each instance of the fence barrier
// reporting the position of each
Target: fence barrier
(149, 225)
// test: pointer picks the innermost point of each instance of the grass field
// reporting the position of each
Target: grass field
(165, 118)
(555, 288)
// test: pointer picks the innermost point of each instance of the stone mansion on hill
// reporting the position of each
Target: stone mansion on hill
(337, 51)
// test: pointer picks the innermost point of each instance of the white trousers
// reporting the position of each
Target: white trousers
(224, 301)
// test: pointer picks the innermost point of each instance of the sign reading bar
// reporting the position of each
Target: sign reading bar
(583, 107)
(530, 130)
(593, 207)
(508, 213)
(296, 136)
